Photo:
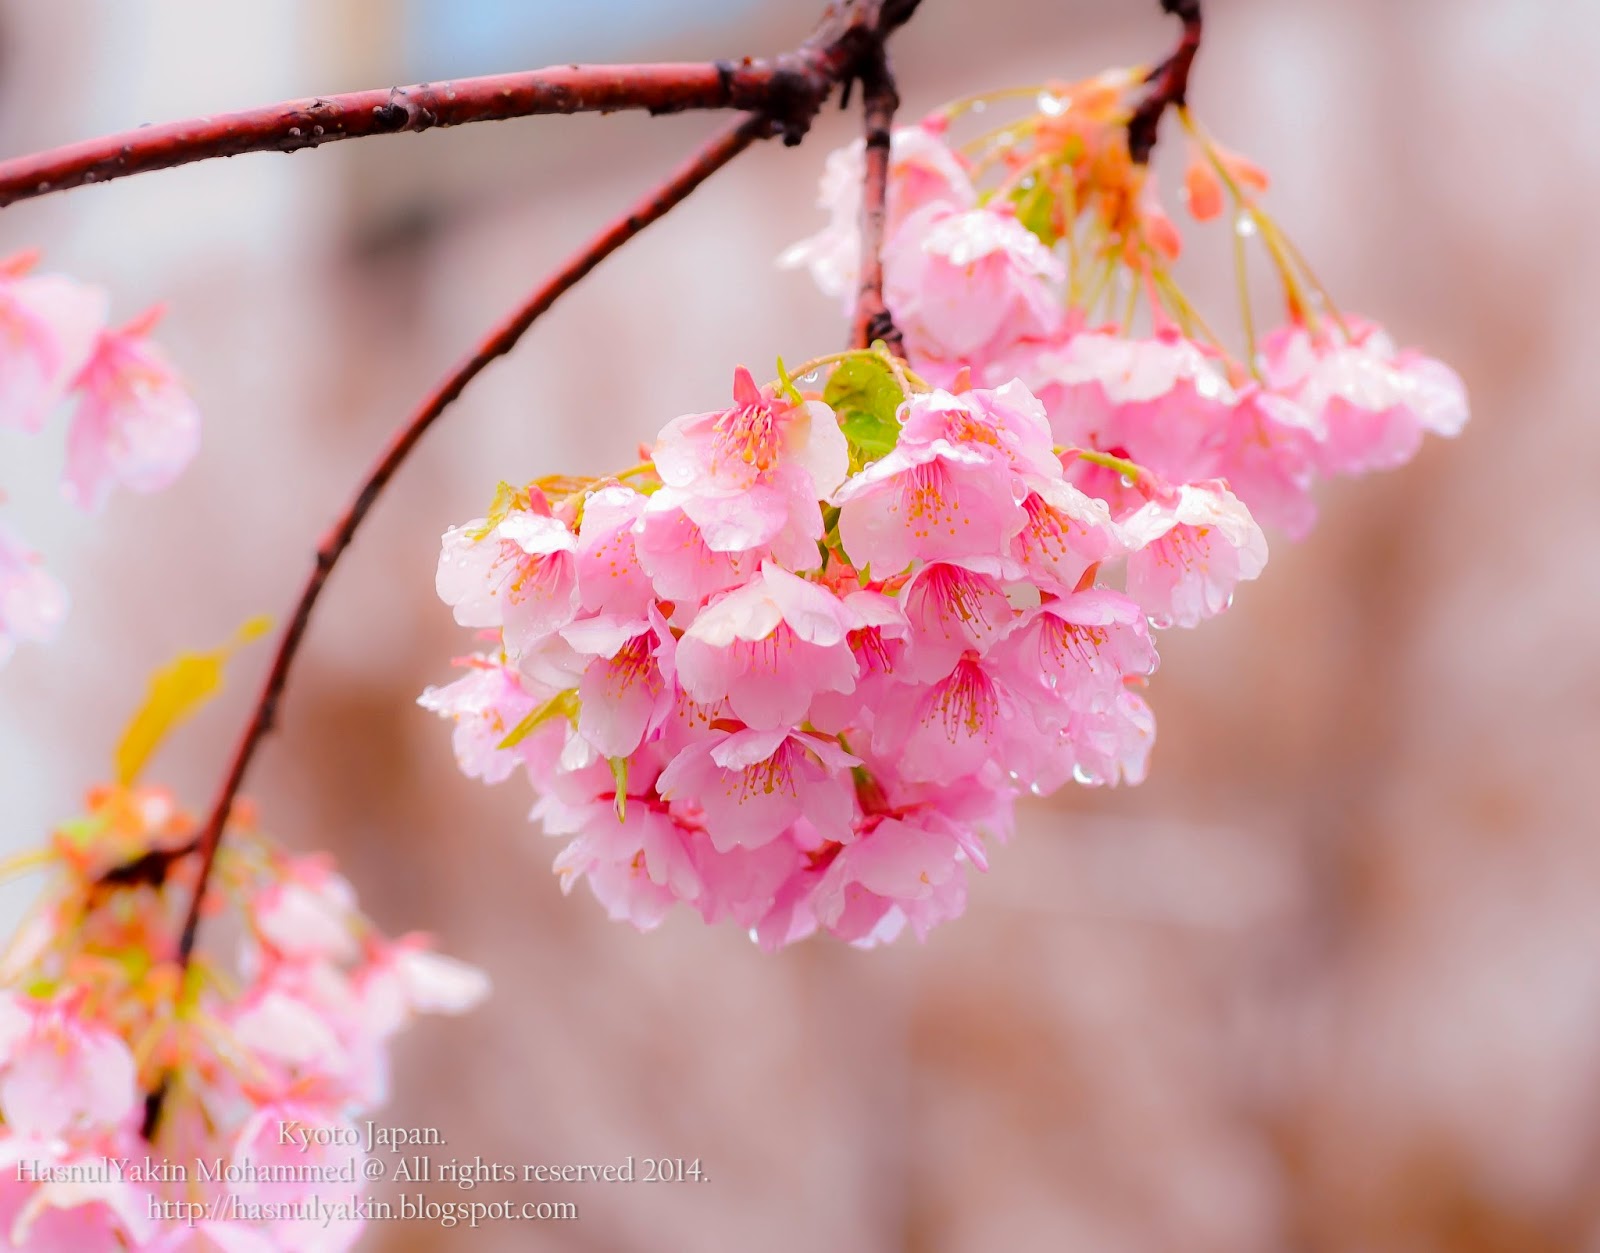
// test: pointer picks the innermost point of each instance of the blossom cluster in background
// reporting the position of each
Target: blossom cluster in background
(133, 424)
(794, 670)
(97, 1018)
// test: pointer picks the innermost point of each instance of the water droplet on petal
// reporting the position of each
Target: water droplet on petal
(1245, 224)
(1084, 776)
(1052, 105)
(1035, 789)
(1129, 481)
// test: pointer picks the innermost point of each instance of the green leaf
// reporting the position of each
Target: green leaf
(1036, 209)
(866, 399)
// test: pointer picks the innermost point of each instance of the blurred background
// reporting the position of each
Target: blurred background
(1330, 980)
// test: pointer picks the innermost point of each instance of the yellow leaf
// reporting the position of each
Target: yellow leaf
(176, 691)
(562, 704)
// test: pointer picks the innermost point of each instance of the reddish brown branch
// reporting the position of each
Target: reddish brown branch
(1169, 82)
(879, 101)
(500, 341)
(789, 88)
(848, 45)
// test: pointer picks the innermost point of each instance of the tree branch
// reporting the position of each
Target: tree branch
(1169, 82)
(879, 100)
(788, 88)
(500, 341)
(848, 45)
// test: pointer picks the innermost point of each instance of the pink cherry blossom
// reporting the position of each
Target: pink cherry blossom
(951, 610)
(487, 703)
(405, 977)
(922, 170)
(1102, 745)
(769, 647)
(69, 1215)
(733, 449)
(1160, 401)
(1007, 424)
(936, 501)
(1375, 400)
(965, 284)
(32, 602)
(135, 425)
(1073, 652)
(959, 725)
(678, 557)
(624, 692)
(1066, 531)
(744, 884)
(752, 785)
(63, 1075)
(308, 913)
(637, 865)
(48, 325)
(878, 645)
(1189, 552)
(610, 577)
(1267, 453)
(905, 870)
(518, 573)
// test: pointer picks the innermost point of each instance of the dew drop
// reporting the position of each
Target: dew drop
(978, 106)
(1052, 104)
(1027, 183)
(294, 132)
(1084, 776)
(1035, 789)
(1245, 225)
(1129, 481)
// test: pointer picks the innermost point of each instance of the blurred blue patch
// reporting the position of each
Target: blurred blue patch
(455, 38)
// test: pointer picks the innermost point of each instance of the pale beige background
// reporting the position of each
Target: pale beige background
(1330, 981)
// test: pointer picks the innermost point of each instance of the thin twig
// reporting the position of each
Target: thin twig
(500, 341)
(848, 45)
(1169, 82)
(879, 100)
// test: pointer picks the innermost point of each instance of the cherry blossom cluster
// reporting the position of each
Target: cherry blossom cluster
(797, 685)
(133, 423)
(794, 669)
(1041, 251)
(110, 1052)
